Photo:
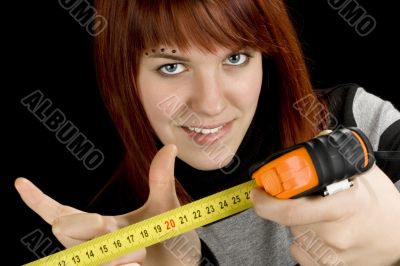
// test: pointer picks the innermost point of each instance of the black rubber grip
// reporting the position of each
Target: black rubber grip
(338, 156)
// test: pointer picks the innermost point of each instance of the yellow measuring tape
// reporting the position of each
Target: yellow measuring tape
(154, 229)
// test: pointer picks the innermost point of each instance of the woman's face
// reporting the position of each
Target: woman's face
(201, 102)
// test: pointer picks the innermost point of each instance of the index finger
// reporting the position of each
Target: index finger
(305, 210)
(43, 205)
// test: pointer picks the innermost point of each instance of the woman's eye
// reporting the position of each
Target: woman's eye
(172, 69)
(237, 59)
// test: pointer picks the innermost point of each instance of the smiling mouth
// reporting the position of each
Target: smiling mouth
(206, 130)
(207, 134)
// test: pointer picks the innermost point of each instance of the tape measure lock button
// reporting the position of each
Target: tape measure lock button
(287, 175)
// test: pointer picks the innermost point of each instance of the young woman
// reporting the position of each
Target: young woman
(201, 90)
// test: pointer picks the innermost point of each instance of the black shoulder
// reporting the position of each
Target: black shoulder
(339, 101)
(390, 141)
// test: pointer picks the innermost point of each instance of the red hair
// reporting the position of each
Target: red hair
(136, 25)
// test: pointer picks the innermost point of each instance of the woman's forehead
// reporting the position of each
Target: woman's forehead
(206, 25)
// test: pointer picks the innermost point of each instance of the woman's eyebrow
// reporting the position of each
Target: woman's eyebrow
(168, 56)
(184, 59)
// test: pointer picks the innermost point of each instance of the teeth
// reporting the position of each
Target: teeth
(205, 131)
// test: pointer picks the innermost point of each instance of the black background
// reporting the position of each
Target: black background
(47, 50)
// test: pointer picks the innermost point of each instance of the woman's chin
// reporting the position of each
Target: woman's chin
(208, 163)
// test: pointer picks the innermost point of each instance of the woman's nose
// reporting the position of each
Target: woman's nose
(208, 95)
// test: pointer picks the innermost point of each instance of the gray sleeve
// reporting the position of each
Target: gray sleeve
(374, 116)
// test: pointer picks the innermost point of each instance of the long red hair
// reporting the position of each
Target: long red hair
(137, 25)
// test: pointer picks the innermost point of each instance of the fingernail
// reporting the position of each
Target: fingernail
(20, 180)
(252, 194)
(175, 149)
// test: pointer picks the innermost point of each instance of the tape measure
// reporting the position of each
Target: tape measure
(154, 229)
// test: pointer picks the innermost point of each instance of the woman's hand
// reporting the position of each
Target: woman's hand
(72, 226)
(358, 226)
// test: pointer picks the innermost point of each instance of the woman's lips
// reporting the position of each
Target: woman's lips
(204, 139)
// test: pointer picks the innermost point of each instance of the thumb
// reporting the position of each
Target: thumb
(162, 179)
(324, 132)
